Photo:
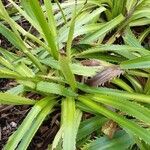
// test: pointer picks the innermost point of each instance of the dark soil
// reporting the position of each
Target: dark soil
(10, 118)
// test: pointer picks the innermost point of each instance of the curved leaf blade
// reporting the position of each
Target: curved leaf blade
(140, 62)
(121, 140)
(11, 99)
(128, 125)
(27, 123)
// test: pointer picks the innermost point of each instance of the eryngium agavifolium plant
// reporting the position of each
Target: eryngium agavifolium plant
(82, 57)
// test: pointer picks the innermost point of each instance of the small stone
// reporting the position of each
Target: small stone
(4, 128)
(13, 124)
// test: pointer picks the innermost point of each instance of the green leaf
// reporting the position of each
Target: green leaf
(140, 22)
(19, 89)
(89, 126)
(140, 62)
(8, 55)
(63, 17)
(130, 39)
(17, 136)
(68, 123)
(83, 19)
(84, 108)
(57, 139)
(26, 13)
(71, 33)
(12, 37)
(18, 42)
(123, 50)
(104, 29)
(38, 12)
(144, 34)
(118, 7)
(6, 73)
(50, 16)
(135, 83)
(53, 88)
(5, 15)
(11, 99)
(138, 73)
(128, 125)
(78, 117)
(6, 63)
(121, 140)
(76, 68)
(131, 108)
(24, 70)
(36, 124)
(130, 4)
(66, 70)
(117, 93)
(141, 13)
(26, 6)
(122, 84)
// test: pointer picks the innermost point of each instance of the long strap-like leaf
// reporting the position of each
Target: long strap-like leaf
(128, 125)
(27, 124)
(10, 99)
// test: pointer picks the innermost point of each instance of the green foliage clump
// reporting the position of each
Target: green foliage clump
(75, 49)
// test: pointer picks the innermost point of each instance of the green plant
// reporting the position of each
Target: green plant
(51, 62)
